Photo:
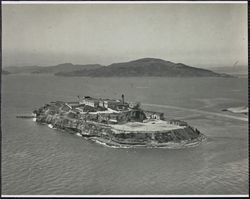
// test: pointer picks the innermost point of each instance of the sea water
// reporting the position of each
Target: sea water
(40, 160)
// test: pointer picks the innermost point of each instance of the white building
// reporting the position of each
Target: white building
(90, 101)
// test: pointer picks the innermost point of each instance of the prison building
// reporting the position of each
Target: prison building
(154, 115)
(89, 101)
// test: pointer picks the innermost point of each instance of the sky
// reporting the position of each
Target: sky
(199, 35)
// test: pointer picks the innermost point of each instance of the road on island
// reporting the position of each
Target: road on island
(198, 111)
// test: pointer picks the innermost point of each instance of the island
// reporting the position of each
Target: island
(144, 67)
(117, 123)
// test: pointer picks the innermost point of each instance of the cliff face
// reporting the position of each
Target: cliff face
(112, 137)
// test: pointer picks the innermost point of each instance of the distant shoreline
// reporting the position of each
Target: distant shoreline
(125, 77)
(144, 67)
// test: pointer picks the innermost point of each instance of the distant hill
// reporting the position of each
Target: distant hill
(145, 67)
(66, 67)
(5, 72)
(231, 70)
(21, 69)
(137, 68)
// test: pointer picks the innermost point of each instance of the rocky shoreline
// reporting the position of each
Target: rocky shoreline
(112, 136)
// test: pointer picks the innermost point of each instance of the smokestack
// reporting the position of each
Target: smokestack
(122, 99)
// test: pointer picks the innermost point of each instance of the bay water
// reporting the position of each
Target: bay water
(40, 160)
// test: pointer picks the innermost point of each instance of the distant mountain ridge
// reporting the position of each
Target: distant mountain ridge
(136, 68)
(145, 67)
(21, 69)
(65, 67)
(5, 72)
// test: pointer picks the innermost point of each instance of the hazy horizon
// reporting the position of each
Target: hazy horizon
(212, 67)
(199, 35)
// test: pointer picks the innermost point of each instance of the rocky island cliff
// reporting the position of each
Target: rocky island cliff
(116, 123)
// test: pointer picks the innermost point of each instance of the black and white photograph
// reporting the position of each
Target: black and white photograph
(124, 98)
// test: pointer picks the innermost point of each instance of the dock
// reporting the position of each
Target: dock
(25, 116)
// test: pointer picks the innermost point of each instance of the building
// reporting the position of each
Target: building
(117, 105)
(134, 105)
(154, 115)
(113, 104)
(72, 105)
(89, 101)
(103, 103)
(178, 122)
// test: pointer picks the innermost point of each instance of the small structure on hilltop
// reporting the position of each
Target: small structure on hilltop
(108, 110)
(89, 101)
(118, 105)
(154, 115)
(177, 122)
(134, 105)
